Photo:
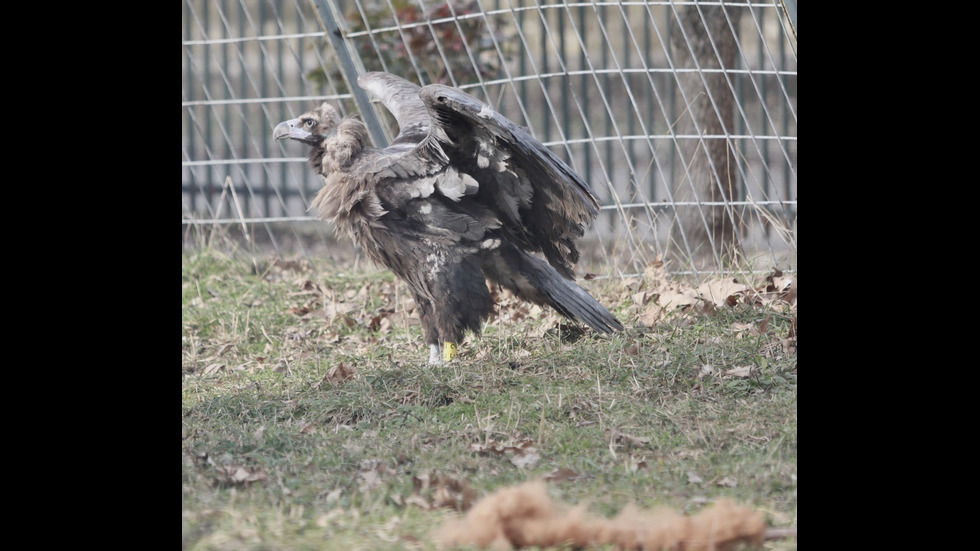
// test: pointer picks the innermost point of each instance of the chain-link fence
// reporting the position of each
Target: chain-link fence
(681, 115)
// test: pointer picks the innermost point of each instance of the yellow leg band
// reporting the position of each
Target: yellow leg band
(448, 351)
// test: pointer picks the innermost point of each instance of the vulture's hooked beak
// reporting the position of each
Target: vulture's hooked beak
(292, 130)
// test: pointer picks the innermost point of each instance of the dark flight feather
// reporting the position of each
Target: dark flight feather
(461, 196)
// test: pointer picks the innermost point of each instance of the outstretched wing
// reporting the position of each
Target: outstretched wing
(401, 98)
(543, 204)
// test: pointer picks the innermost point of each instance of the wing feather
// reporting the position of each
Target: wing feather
(543, 202)
(401, 98)
(486, 165)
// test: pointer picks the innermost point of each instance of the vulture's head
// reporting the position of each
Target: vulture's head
(311, 127)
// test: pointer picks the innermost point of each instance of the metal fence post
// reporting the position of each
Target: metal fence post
(350, 67)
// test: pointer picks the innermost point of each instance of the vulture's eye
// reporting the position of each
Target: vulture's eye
(310, 123)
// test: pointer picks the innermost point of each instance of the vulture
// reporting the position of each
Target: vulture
(460, 197)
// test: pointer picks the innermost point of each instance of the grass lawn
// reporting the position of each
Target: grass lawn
(311, 420)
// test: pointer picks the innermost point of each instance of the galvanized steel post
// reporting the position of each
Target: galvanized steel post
(350, 66)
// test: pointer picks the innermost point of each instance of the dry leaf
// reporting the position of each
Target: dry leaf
(418, 501)
(563, 474)
(420, 483)
(308, 285)
(333, 495)
(447, 492)
(339, 373)
(674, 299)
(620, 437)
(237, 474)
(212, 369)
(722, 291)
(652, 314)
(633, 284)
(374, 324)
(655, 270)
(480, 448)
(369, 479)
(636, 463)
(324, 520)
(225, 348)
(527, 457)
(743, 371)
(445, 497)
(788, 346)
(781, 284)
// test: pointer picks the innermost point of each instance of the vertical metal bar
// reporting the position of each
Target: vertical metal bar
(209, 187)
(263, 78)
(225, 111)
(741, 124)
(300, 19)
(587, 151)
(191, 188)
(790, 7)
(608, 129)
(246, 198)
(671, 100)
(785, 125)
(763, 92)
(545, 69)
(628, 83)
(522, 66)
(280, 77)
(648, 62)
(564, 86)
(350, 67)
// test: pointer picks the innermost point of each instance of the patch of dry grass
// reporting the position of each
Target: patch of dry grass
(310, 419)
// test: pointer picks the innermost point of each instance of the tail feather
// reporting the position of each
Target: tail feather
(574, 302)
(537, 281)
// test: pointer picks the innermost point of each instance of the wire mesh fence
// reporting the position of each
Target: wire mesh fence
(681, 115)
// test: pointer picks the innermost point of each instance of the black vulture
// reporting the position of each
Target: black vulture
(461, 196)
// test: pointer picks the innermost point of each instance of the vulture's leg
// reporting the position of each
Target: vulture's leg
(461, 302)
(427, 318)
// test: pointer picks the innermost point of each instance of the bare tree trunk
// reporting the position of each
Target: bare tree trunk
(712, 172)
